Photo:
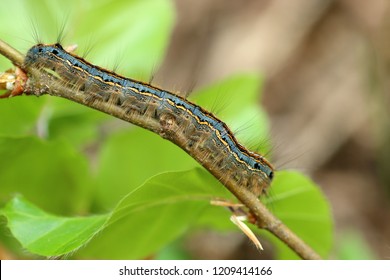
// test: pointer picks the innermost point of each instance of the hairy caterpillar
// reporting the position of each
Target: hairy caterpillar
(197, 131)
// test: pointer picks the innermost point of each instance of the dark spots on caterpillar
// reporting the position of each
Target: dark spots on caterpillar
(82, 87)
(55, 52)
(219, 145)
(121, 100)
(189, 144)
(167, 122)
(271, 175)
(104, 95)
(155, 114)
(220, 163)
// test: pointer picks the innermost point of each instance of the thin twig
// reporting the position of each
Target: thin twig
(269, 222)
(266, 219)
(9, 52)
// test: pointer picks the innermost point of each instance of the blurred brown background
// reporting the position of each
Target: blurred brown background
(326, 67)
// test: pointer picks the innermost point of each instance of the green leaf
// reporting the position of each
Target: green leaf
(50, 174)
(143, 222)
(137, 31)
(19, 116)
(161, 210)
(129, 158)
(74, 123)
(155, 214)
(48, 235)
(299, 204)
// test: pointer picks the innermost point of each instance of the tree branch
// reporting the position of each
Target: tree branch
(266, 220)
(13, 55)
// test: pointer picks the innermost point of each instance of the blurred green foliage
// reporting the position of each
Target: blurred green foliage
(75, 181)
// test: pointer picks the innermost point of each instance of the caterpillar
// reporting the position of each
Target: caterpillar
(198, 132)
